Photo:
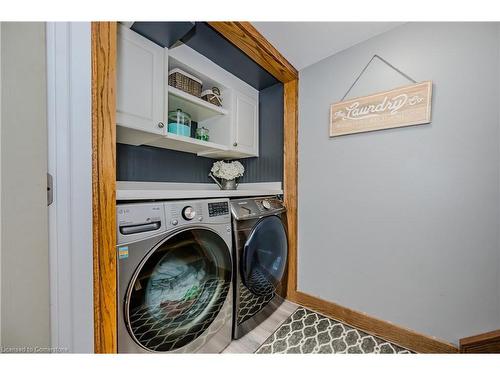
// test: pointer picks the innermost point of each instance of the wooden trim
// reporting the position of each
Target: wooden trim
(246, 37)
(103, 184)
(399, 335)
(290, 167)
(488, 342)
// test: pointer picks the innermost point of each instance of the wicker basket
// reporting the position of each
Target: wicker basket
(209, 96)
(184, 81)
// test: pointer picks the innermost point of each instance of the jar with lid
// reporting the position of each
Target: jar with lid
(179, 123)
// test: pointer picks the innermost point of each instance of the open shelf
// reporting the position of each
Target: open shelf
(186, 144)
(197, 108)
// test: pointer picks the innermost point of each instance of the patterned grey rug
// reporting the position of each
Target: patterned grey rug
(308, 332)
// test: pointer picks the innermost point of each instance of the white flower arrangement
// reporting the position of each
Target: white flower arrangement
(228, 171)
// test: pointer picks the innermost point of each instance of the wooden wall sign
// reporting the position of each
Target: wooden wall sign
(404, 106)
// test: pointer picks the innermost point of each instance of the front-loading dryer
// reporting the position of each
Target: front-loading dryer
(260, 251)
(174, 276)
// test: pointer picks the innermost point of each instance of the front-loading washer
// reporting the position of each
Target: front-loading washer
(174, 276)
(260, 251)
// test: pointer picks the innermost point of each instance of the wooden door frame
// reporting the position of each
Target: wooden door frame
(244, 36)
(104, 184)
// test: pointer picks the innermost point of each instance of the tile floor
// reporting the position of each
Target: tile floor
(255, 338)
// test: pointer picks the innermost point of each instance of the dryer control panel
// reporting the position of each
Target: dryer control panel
(251, 208)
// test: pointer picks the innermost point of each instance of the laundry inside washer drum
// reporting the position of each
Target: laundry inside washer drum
(182, 294)
(175, 280)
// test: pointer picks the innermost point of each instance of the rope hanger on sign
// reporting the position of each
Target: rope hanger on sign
(366, 66)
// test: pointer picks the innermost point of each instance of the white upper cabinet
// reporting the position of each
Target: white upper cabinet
(245, 124)
(144, 99)
(140, 84)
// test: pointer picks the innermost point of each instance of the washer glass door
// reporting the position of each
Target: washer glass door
(178, 290)
(264, 256)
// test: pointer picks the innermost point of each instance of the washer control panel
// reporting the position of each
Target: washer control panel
(206, 211)
(218, 209)
(135, 221)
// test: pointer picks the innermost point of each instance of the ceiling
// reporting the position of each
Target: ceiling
(305, 43)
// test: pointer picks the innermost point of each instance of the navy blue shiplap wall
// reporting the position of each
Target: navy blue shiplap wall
(146, 163)
(268, 167)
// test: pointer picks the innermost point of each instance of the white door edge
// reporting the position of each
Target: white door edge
(0, 185)
(70, 164)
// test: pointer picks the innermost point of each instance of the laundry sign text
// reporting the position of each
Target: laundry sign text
(404, 106)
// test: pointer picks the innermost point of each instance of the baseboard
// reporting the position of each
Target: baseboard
(484, 343)
(399, 335)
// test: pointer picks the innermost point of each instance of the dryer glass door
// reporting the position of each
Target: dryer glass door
(178, 290)
(264, 256)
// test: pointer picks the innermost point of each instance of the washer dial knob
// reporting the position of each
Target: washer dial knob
(188, 213)
(266, 204)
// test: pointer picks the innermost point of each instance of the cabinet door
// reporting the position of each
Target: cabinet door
(140, 83)
(246, 125)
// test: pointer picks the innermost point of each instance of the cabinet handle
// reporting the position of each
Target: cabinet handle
(161, 125)
(235, 144)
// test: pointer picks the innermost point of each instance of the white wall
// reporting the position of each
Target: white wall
(403, 224)
(25, 268)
